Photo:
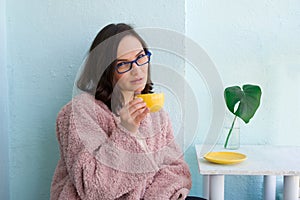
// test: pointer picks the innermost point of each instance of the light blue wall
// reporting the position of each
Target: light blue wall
(47, 41)
(254, 41)
(4, 169)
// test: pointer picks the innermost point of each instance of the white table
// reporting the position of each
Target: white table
(268, 161)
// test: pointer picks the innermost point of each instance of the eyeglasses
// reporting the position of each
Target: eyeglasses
(141, 60)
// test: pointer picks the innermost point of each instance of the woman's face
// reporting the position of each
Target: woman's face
(129, 49)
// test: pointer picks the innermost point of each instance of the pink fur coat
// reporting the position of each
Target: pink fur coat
(100, 159)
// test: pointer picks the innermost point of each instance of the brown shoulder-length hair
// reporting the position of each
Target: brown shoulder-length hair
(97, 75)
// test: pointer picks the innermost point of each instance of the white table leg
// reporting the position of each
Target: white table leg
(291, 186)
(216, 187)
(269, 187)
(206, 186)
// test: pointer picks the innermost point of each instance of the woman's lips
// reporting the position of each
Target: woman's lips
(137, 81)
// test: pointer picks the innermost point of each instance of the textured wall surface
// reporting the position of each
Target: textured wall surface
(47, 41)
(4, 116)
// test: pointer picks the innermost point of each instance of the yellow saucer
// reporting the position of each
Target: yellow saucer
(225, 158)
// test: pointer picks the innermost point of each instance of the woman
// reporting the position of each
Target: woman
(111, 147)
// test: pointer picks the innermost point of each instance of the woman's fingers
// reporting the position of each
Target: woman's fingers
(133, 113)
(138, 110)
(136, 104)
(142, 115)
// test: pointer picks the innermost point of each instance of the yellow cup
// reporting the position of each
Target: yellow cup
(154, 101)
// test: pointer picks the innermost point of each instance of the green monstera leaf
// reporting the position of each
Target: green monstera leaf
(248, 99)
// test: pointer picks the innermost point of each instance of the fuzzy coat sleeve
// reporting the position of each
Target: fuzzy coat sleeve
(173, 180)
(97, 153)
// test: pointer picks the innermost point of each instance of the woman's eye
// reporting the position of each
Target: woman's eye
(140, 56)
(121, 64)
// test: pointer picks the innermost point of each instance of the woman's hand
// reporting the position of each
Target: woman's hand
(133, 113)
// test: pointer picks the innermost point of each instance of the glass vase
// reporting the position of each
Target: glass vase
(231, 132)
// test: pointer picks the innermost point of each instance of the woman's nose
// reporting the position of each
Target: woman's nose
(135, 68)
